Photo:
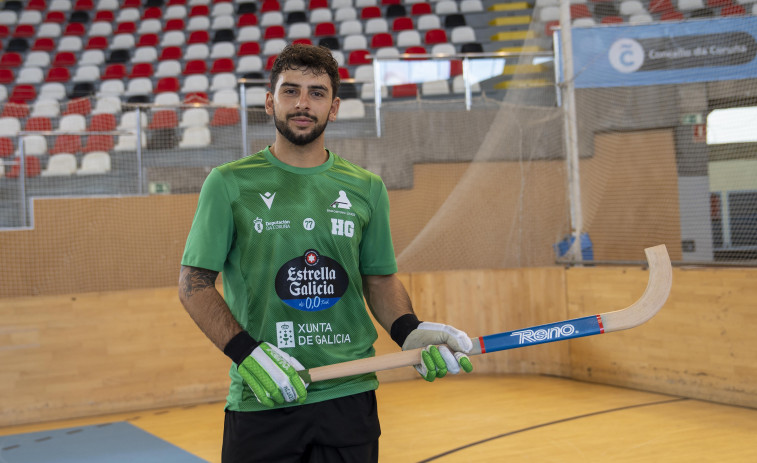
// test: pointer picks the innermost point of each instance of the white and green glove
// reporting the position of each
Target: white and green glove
(270, 372)
(437, 360)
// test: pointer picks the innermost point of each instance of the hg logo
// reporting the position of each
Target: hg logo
(532, 337)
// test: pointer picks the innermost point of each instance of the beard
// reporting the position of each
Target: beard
(299, 139)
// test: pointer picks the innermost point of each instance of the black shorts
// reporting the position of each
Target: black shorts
(339, 430)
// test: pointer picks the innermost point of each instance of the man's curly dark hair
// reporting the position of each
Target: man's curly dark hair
(300, 57)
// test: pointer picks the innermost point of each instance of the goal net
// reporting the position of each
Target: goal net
(475, 182)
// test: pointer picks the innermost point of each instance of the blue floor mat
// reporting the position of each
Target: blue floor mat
(112, 443)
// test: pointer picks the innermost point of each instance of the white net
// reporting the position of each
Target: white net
(476, 180)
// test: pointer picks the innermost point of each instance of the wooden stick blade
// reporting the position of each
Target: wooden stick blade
(654, 297)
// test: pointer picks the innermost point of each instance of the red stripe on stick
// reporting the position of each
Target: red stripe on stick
(601, 326)
(483, 347)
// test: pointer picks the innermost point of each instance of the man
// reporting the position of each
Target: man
(301, 235)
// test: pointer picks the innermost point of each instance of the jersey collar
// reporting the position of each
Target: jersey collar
(299, 170)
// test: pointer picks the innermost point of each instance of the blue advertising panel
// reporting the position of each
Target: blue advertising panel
(664, 53)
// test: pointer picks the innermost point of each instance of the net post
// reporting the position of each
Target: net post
(140, 175)
(377, 93)
(22, 179)
(243, 117)
(571, 131)
(467, 83)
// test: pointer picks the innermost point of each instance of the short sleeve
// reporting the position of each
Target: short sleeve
(212, 232)
(376, 248)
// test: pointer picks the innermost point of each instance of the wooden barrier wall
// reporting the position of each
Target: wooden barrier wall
(84, 354)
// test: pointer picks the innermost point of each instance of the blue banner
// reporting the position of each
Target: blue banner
(664, 53)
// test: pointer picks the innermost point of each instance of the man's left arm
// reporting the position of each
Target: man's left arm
(391, 306)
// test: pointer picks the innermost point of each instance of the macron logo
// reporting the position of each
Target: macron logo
(267, 198)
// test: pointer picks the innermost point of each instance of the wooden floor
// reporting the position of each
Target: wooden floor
(504, 418)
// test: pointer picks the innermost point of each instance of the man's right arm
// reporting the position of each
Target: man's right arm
(206, 306)
(269, 372)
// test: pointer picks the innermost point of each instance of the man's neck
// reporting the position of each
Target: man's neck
(311, 155)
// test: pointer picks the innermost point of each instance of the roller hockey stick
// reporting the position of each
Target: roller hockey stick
(655, 295)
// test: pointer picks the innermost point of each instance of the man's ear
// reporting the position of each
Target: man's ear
(269, 103)
(334, 109)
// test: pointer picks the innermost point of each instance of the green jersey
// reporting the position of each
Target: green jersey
(292, 244)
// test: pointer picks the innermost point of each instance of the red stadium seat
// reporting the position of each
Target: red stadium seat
(732, 10)
(175, 24)
(152, 13)
(195, 66)
(615, 20)
(167, 84)
(579, 10)
(549, 27)
(660, 6)
(344, 73)
(247, 19)
(199, 10)
(114, 71)
(78, 106)
(75, 29)
(141, 70)
(148, 40)
(170, 53)
(4, 32)
(274, 32)
(313, 4)
(18, 110)
(32, 168)
(6, 147)
(7, 76)
(419, 9)
(402, 23)
(126, 28)
(382, 39)
(11, 60)
(222, 65)
(198, 37)
(269, 62)
(671, 16)
(303, 41)
(98, 143)
(23, 93)
(102, 122)
(358, 57)
(434, 36)
(270, 5)
(416, 51)
(97, 43)
(39, 123)
(325, 30)
(249, 48)
(43, 44)
(24, 31)
(164, 119)
(55, 17)
(405, 91)
(67, 144)
(196, 98)
(369, 12)
(39, 5)
(64, 58)
(104, 15)
(84, 5)
(131, 4)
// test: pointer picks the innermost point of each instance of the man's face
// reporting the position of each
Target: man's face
(301, 105)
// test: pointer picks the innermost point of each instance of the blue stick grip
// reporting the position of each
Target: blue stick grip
(542, 334)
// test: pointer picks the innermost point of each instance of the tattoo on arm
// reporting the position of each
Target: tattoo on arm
(197, 279)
